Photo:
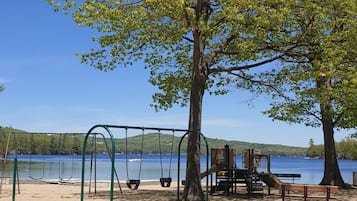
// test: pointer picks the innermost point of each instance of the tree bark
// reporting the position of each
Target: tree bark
(332, 174)
(193, 189)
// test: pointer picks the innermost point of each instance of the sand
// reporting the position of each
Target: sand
(54, 191)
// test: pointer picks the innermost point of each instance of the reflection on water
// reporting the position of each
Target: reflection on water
(70, 166)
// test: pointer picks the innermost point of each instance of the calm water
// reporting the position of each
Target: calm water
(69, 167)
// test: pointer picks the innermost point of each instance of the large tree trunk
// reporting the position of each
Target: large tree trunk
(332, 174)
(193, 189)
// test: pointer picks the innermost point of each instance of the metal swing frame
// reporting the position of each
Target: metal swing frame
(112, 158)
(108, 128)
(93, 162)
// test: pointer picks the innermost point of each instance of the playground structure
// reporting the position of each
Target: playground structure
(225, 176)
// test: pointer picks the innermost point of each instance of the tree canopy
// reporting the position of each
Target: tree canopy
(327, 54)
(316, 83)
(235, 36)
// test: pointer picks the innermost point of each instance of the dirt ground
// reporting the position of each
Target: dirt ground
(53, 191)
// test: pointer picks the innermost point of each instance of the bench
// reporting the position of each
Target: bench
(289, 176)
(306, 189)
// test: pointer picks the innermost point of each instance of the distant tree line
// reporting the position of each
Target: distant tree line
(31, 143)
(72, 143)
(346, 148)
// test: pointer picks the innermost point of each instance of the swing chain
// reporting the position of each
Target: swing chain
(133, 183)
(166, 181)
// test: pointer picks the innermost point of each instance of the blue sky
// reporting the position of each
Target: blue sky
(49, 90)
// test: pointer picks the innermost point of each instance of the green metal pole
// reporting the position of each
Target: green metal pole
(14, 180)
(113, 162)
(178, 165)
(84, 162)
(207, 151)
(106, 127)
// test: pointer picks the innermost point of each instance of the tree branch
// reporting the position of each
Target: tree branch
(244, 67)
(219, 49)
(188, 39)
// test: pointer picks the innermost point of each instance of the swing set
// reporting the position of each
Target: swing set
(62, 151)
(90, 139)
(131, 183)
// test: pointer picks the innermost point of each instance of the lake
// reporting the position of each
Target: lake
(52, 167)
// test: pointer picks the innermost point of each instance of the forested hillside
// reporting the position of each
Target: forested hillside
(47, 143)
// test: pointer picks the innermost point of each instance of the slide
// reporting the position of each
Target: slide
(212, 169)
(271, 180)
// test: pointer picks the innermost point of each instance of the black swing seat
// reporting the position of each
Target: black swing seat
(165, 181)
(133, 183)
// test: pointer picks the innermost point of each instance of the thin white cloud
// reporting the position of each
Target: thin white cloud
(4, 80)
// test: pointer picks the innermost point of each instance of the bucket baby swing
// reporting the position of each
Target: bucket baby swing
(133, 184)
(166, 181)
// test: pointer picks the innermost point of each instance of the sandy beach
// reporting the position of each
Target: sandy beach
(54, 191)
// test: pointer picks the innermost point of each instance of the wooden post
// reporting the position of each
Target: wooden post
(328, 191)
(283, 191)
